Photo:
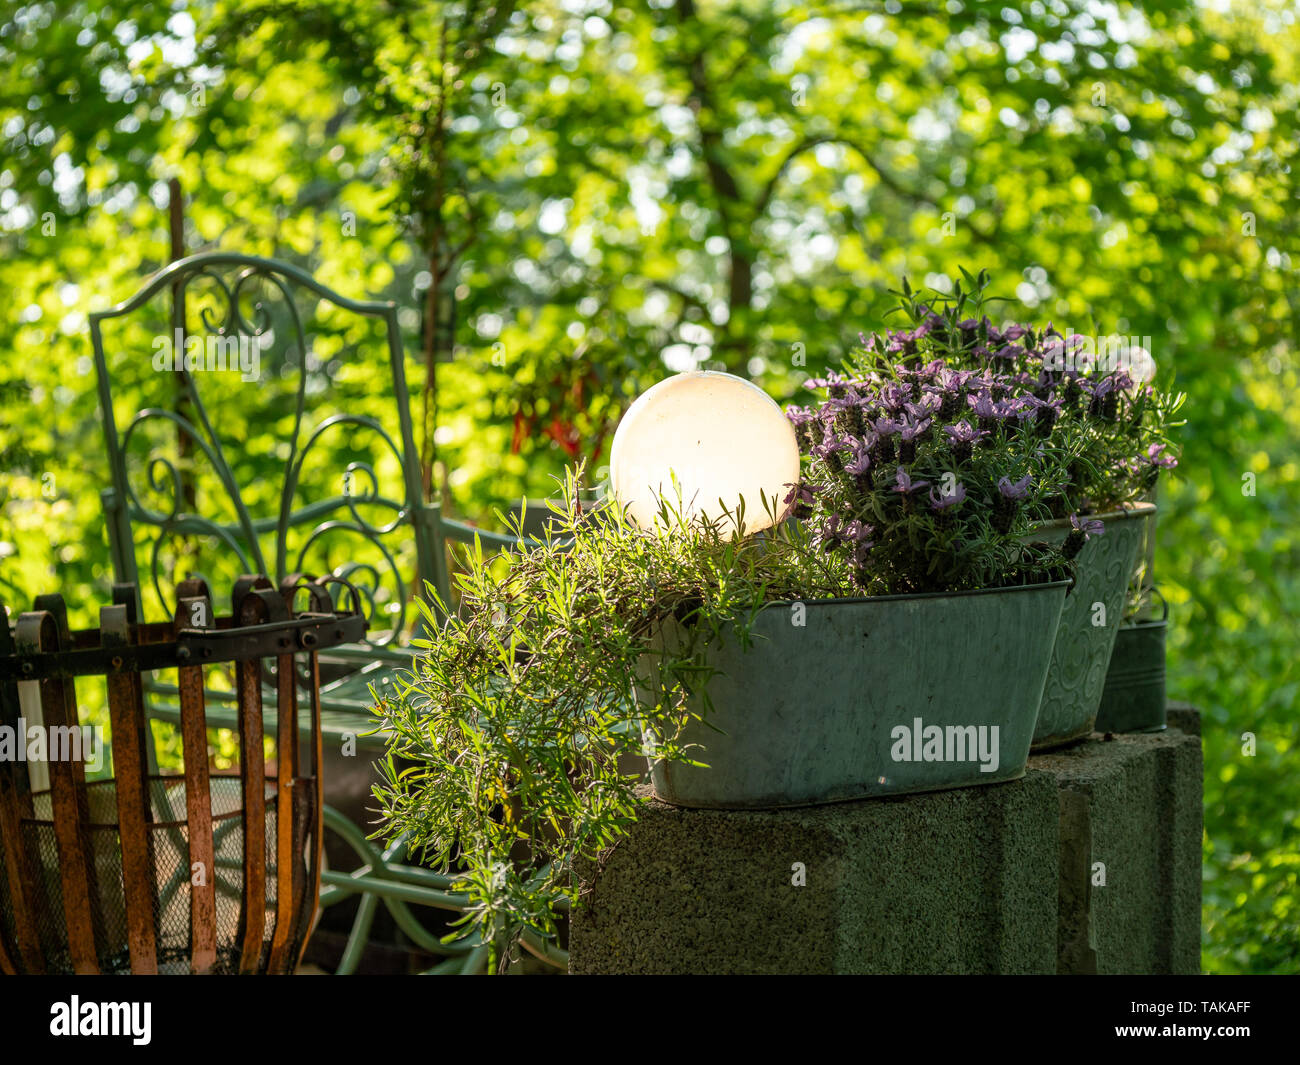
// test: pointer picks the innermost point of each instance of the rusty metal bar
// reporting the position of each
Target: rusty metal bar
(7, 964)
(162, 646)
(288, 870)
(24, 898)
(195, 604)
(40, 630)
(307, 914)
(253, 605)
(130, 765)
(15, 802)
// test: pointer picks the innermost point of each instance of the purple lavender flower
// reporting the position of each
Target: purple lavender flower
(881, 440)
(932, 322)
(834, 383)
(1018, 490)
(1155, 457)
(1105, 397)
(1087, 526)
(861, 552)
(1081, 529)
(944, 402)
(954, 379)
(901, 342)
(911, 432)
(1023, 408)
(1045, 409)
(799, 494)
(828, 536)
(831, 441)
(856, 532)
(948, 389)
(963, 433)
(804, 422)
(895, 397)
(927, 406)
(831, 450)
(1101, 388)
(941, 503)
(962, 438)
(985, 407)
(847, 412)
(903, 483)
(913, 429)
(825, 417)
(860, 463)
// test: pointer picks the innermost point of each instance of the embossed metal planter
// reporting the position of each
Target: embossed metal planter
(1134, 696)
(1086, 633)
(846, 705)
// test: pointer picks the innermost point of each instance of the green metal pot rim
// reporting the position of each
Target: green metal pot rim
(1125, 512)
(849, 600)
(1134, 626)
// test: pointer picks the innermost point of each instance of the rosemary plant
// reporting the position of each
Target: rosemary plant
(524, 728)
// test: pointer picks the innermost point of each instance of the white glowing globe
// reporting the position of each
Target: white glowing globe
(723, 438)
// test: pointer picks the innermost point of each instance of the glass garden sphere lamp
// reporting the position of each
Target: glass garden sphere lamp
(720, 437)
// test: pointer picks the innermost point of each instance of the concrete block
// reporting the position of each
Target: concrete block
(955, 881)
(999, 879)
(1130, 850)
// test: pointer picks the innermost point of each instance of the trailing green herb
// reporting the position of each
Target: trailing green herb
(521, 735)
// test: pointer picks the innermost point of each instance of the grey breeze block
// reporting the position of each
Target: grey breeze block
(1000, 879)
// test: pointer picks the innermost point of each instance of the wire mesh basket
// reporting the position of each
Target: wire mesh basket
(204, 872)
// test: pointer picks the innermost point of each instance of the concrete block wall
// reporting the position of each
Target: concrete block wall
(1089, 863)
(1130, 846)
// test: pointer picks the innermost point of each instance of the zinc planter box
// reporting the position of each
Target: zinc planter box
(1089, 622)
(867, 697)
(1134, 696)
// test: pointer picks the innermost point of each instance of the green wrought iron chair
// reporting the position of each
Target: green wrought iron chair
(257, 422)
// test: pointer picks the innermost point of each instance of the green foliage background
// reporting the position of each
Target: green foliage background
(608, 190)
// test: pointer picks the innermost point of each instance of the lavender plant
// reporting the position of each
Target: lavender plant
(921, 478)
(1121, 425)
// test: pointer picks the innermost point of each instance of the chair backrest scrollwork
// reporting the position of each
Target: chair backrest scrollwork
(258, 422)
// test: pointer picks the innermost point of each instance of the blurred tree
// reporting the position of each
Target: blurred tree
(605, 191)
(412, 63)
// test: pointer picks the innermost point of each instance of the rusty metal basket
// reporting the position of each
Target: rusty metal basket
(202, 872)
